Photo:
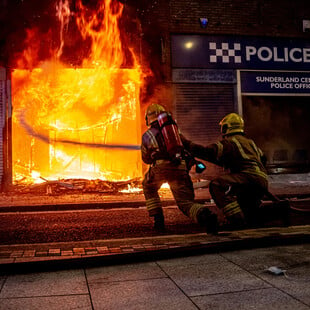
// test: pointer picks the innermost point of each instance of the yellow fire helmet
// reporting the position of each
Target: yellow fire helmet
(152, 111)
(232, 123)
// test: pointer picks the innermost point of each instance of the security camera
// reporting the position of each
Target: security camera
(203, 22)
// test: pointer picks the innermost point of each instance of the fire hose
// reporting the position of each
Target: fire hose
(46, 139)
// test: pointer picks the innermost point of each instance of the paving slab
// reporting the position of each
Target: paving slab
(81, 302)
(285, 257)
(191, 260)
(293, 260)
(295, 281)
(126, 272)
(151, 294)
(213, 278)
(65, 282)
(258, 299)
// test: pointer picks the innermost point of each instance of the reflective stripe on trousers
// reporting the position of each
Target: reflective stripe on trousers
(232, 209)
(153, 206)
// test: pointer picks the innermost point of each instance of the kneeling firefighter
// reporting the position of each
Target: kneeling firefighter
(163, 150)
(239, 192)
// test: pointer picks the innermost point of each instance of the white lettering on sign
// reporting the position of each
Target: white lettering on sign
(306, 54)
(284, 82)
(264, 53)
(300, 85)
(305, 80)
(276, 79)
(281, 85)
(283, 57)
(275, 54)
(250, 51)
(293, 53)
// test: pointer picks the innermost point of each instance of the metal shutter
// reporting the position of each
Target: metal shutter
(200, 107)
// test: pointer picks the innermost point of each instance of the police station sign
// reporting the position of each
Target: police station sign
(275, 82)
(240, 52)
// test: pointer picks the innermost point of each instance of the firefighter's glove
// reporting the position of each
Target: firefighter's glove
(189, 159)
(176, 160)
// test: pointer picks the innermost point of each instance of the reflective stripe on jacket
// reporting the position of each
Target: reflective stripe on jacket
(153, 145)
(240, 154)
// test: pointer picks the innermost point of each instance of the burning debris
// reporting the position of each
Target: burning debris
(72, 186)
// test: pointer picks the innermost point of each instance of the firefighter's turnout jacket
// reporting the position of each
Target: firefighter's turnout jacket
(241, 190)
(162, 169)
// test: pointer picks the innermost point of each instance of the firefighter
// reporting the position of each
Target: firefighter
(164, 168)
(238, 193)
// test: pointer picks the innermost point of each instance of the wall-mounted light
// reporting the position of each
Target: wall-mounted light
(306, 25)
(203, 22)
(188, 45)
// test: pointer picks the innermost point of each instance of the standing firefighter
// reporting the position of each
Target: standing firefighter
(238, 194)
(163, 150)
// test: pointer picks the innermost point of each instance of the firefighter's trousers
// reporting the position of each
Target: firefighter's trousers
(180, 184)
(238, 195)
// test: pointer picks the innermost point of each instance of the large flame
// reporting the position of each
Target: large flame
(65, 117)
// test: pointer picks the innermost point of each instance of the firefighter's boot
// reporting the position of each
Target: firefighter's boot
(236, 222)
(278, 210)
(159, 222)
(208, 220)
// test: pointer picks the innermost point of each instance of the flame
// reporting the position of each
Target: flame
(106, 48)
(165, 186)
(88, 107)
(131, 190)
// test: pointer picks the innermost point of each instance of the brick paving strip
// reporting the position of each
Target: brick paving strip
(122, 250)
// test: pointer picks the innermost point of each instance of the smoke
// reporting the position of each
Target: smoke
(22, 119)
(16, 18)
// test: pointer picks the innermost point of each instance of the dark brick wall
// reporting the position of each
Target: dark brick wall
(256, 17)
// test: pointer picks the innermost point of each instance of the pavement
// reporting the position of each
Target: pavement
(262, 268)
(226, 276)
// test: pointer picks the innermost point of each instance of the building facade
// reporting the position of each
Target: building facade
(249, 57)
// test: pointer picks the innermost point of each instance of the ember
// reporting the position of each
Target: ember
(78, 123)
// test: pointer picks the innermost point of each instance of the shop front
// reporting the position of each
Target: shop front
(266, 80)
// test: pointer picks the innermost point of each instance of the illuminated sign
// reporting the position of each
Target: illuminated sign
(239, 52)
(275, 82)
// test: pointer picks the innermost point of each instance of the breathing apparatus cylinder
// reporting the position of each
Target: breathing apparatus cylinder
(170, 132)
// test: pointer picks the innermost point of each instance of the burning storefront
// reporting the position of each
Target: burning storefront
(79, 119)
